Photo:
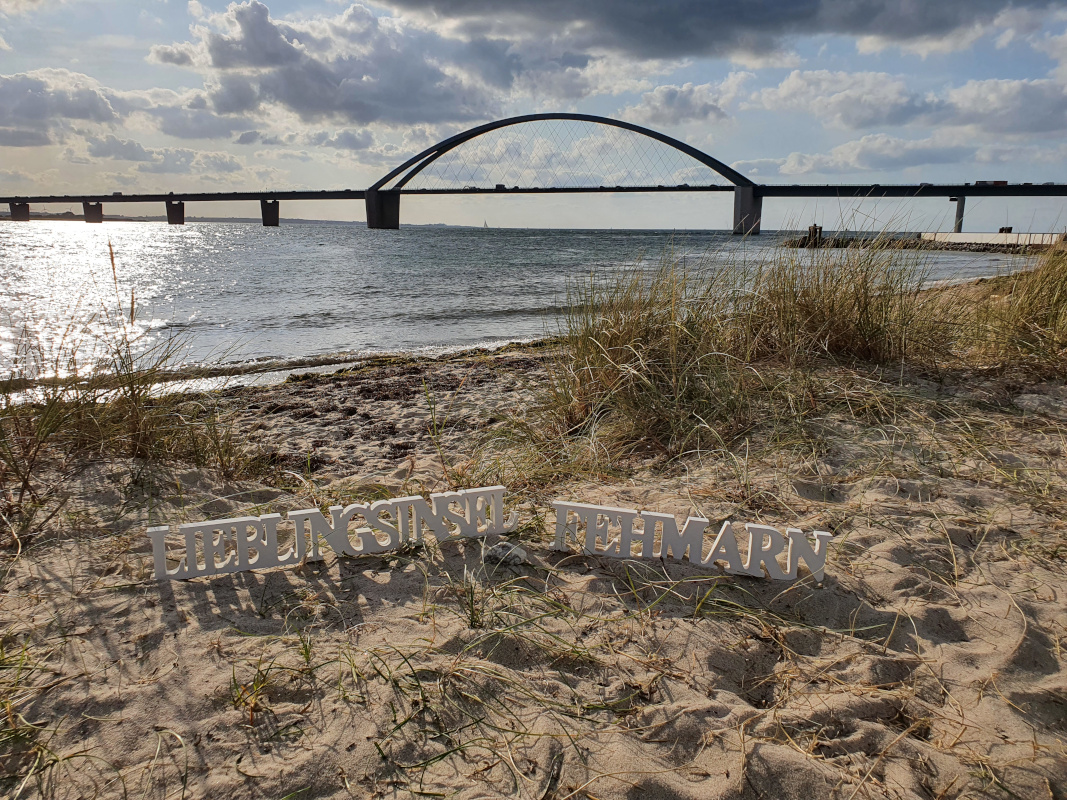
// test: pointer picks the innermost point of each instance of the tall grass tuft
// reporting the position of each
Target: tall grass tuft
(650, 356)
(1025, 325)
(862, 303)
(675, 357)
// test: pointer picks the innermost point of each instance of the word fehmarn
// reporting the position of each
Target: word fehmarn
(245, 543)
(765, 543)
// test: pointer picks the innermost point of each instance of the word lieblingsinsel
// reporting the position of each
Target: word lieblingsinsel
(247, 543)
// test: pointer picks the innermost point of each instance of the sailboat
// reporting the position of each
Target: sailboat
(485, 224)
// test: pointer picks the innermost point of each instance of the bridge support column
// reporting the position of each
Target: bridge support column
(94, 212)
(383, 209)
(748, 209)
(961, 201)
(175, 212)
(271, 211)
(20, 212)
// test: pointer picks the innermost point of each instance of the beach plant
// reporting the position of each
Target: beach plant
(649, 355)
(35, 412)
(1022, 320)
(678, 356)
(865, 303)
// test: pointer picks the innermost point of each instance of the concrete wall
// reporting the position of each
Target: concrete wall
(995, 238)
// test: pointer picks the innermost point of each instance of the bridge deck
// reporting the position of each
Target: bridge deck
(189, 197)
(761, 190)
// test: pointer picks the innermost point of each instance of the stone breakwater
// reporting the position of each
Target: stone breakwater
(840, 242)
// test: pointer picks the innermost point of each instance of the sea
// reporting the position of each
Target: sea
(270, 301)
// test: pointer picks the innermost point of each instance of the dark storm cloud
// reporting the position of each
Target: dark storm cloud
(678, 28)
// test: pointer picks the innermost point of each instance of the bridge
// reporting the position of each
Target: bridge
(552, 154)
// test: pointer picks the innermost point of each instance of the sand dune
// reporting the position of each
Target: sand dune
(929, 663)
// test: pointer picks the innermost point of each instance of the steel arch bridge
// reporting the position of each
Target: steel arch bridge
(549, 168)
(651, 162)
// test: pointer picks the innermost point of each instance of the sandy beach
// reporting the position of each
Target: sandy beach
(929, 663)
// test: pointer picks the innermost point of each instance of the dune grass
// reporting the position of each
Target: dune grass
(672, 359)
(1026, 325)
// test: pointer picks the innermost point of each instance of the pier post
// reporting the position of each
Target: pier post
(961, 201)
(748, 209)
(20, 212)
(271, 213)
(94, 212)
(383, 209)
(175, 212)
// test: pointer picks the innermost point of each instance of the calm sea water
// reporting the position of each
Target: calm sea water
(243, 293)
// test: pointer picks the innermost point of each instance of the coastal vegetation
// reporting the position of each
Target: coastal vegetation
(672, 351)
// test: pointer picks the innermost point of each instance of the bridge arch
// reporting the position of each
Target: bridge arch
(416, 164)
(383, 197)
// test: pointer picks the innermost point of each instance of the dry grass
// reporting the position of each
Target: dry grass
(672, 360)
(1026, 325)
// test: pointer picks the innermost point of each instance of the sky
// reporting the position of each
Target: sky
(167, 95)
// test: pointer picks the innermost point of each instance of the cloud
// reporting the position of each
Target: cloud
(195, 123)
(163, 160)
(1010, 23)
(356, 67)
(847, 99)
(716, 27)
(20, 137)
(38, 108)
(4, 45)
(673, 105)
(874, 99)
(176, 55)
(1010, 106)
(343, 140)
(758, 167)
(45, 97)
(877, 153)
(118, 149)
(12, 7)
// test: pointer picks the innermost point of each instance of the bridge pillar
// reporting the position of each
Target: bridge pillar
(271, 211)
(961, 202)
(94, 212)
(748, 209)
(175, 212)
(20, 212)
(383, 209)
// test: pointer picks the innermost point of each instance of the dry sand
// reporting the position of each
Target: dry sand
(930, 664)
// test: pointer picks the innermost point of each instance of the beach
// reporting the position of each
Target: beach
(928, 663)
